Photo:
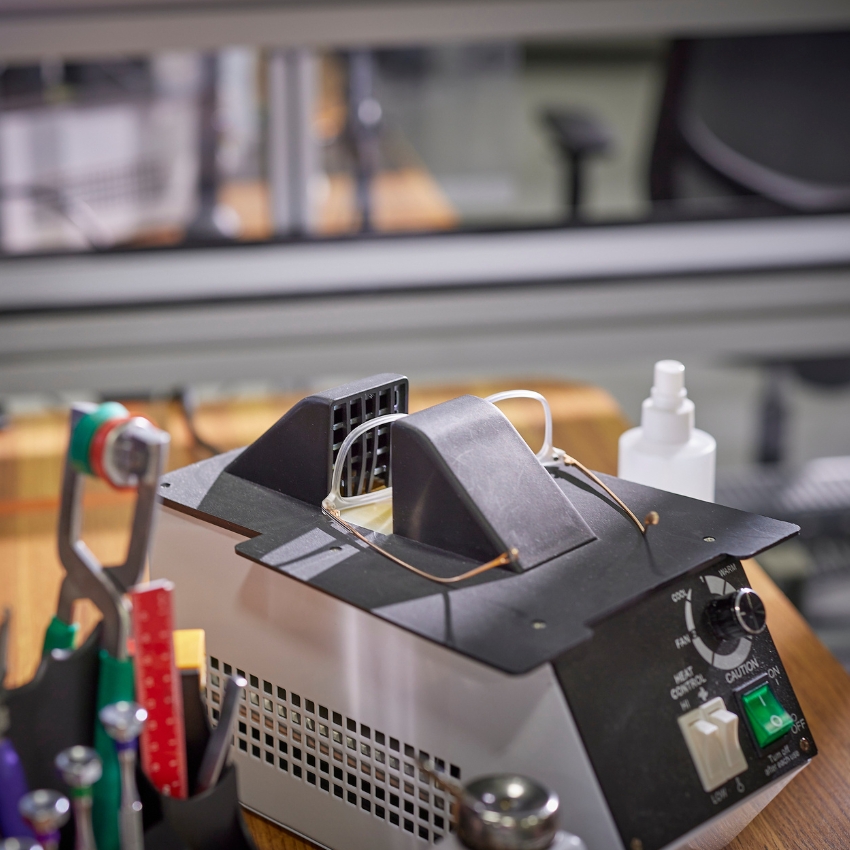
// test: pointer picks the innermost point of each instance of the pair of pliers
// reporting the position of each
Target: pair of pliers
(143, 452)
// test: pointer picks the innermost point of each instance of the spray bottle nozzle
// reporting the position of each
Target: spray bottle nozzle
(668, 389)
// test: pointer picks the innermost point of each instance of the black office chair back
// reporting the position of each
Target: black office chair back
(760, 116)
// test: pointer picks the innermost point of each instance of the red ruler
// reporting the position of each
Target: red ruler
(158, 688)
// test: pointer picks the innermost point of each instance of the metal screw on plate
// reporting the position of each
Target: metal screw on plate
(708, 539)
(805, 746)
(635, 844)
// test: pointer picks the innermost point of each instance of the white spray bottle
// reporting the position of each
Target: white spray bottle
(666, 451)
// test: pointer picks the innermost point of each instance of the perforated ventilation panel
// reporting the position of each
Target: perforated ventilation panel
(351, 763)
(368, 463)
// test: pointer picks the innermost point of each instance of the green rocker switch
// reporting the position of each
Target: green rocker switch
(767, 718)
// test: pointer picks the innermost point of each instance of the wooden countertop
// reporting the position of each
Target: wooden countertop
(812, 812)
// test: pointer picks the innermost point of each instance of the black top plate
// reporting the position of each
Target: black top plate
(513, 622)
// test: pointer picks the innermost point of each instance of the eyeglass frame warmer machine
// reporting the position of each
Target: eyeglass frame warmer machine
(621, 668)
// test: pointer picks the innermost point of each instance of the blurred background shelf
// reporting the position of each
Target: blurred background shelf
(75, 28)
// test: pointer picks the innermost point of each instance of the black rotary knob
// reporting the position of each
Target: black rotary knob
(740, 614)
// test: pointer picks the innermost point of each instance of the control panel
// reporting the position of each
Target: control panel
(684, 705)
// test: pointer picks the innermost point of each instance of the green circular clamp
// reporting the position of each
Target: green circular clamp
(86, 428)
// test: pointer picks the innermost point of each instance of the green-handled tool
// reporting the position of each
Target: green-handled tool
(129, 452)
(59, 635)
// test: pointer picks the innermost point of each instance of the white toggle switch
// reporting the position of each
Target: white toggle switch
(708, 746)
(727, 723)
(711, 733)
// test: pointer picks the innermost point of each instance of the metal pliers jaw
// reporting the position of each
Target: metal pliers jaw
(85, 576)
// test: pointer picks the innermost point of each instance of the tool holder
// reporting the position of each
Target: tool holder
(56, 710)
(53, 711)
(208, 821)
(211, 820)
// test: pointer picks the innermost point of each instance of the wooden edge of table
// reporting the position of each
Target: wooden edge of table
(812, 812)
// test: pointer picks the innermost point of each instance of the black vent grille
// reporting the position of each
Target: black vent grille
(367, 466)
(296, 456)
(351, 763)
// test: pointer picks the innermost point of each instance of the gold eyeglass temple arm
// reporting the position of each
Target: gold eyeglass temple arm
(502, 560)
(568, 460)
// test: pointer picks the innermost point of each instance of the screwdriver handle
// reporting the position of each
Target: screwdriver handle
(218, 745)
(13, 786)
(115, 683)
